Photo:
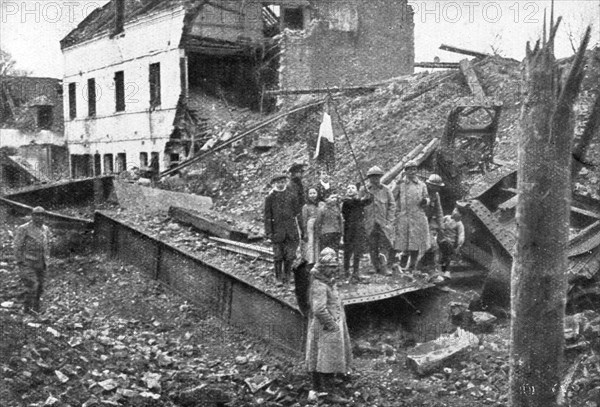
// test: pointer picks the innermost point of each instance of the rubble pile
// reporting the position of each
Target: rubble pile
(386, 124)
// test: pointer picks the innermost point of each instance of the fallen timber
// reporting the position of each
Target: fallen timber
(53, 219)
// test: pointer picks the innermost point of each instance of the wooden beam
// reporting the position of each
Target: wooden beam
(277, 92)
(202, 223)
(463, 51)
(440, 65)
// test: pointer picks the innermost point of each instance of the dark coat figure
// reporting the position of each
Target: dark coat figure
(31, 247)
(353, 212)
(296, 188)
(282, 218)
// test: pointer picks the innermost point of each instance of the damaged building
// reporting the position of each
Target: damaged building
(142, 77)
(32, 140)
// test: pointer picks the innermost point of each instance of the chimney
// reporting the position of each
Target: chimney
(119, 16)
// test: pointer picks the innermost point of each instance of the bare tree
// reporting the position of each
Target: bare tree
(538, 281)
(7, 65)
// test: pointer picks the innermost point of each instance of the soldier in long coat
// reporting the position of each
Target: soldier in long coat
(412, 228)
(328, 348)
(283, 220)
(379, 221)
(31, 247)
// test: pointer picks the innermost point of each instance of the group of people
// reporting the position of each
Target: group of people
(397, 224)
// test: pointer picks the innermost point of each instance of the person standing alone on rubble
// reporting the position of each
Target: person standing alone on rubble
(379, 221)
(328, 348)
(283, 219)
(412, 229)
(31, 246)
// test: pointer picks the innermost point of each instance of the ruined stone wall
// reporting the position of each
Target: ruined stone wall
(349, 43)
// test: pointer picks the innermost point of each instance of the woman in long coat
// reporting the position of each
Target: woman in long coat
(412, 228)
(328, 348)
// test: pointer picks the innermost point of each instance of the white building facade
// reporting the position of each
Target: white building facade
(119, 110)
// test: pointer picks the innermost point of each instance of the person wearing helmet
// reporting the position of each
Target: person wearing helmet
(412, 230)
(31, 247)
(328, 347)
(379, 221)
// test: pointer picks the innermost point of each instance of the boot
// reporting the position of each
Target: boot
(317, 381)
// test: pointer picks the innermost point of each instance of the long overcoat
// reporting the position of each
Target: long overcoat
(328, 348)
(382, 210)
(412, 228)
(281, 210)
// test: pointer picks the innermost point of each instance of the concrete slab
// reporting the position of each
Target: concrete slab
(146, 199)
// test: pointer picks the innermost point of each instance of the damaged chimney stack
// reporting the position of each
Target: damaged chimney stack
(119, 16)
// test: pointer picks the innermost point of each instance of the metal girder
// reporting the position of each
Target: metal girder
(503, 236)
(362, 294)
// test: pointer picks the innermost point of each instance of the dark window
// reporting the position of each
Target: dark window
(121, 162)
(183, 69)
(108, 163)
(120, 91)
(97, 165)
(154, 163)
(91, 97)
(72, 100)
(293, 18)
(154, 85)
(45, 117)
(143, 160)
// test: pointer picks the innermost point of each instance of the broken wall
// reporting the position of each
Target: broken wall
(229, 21)
(49, 162)
(349, 43)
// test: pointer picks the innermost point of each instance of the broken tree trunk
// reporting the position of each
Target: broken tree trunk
(538, 281)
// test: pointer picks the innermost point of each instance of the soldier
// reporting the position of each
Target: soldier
(283, 218)
(32, 253)
(412, 230)
(379, 221)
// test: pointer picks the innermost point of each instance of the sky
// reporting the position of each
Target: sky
(31, 29)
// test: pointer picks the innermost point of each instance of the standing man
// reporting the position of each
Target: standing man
(283, 218)
(412, 230)
(31, 247)
(379, 221)
(296, 187)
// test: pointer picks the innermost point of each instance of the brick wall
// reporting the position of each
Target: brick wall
(349, 43)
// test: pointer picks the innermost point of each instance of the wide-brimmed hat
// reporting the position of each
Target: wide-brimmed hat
(38, 210)
(297, 167)
(375, 170)
(436, 180)
(327, 257)
(277, 177)
(411, 164)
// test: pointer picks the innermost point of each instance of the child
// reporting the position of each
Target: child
(324, 188)
(328, 226)
(354, 229)
(309, 216)
(451, 237)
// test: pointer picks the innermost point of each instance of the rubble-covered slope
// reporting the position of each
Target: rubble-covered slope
(384, 125)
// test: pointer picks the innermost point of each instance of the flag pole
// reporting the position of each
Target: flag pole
(337, 114)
